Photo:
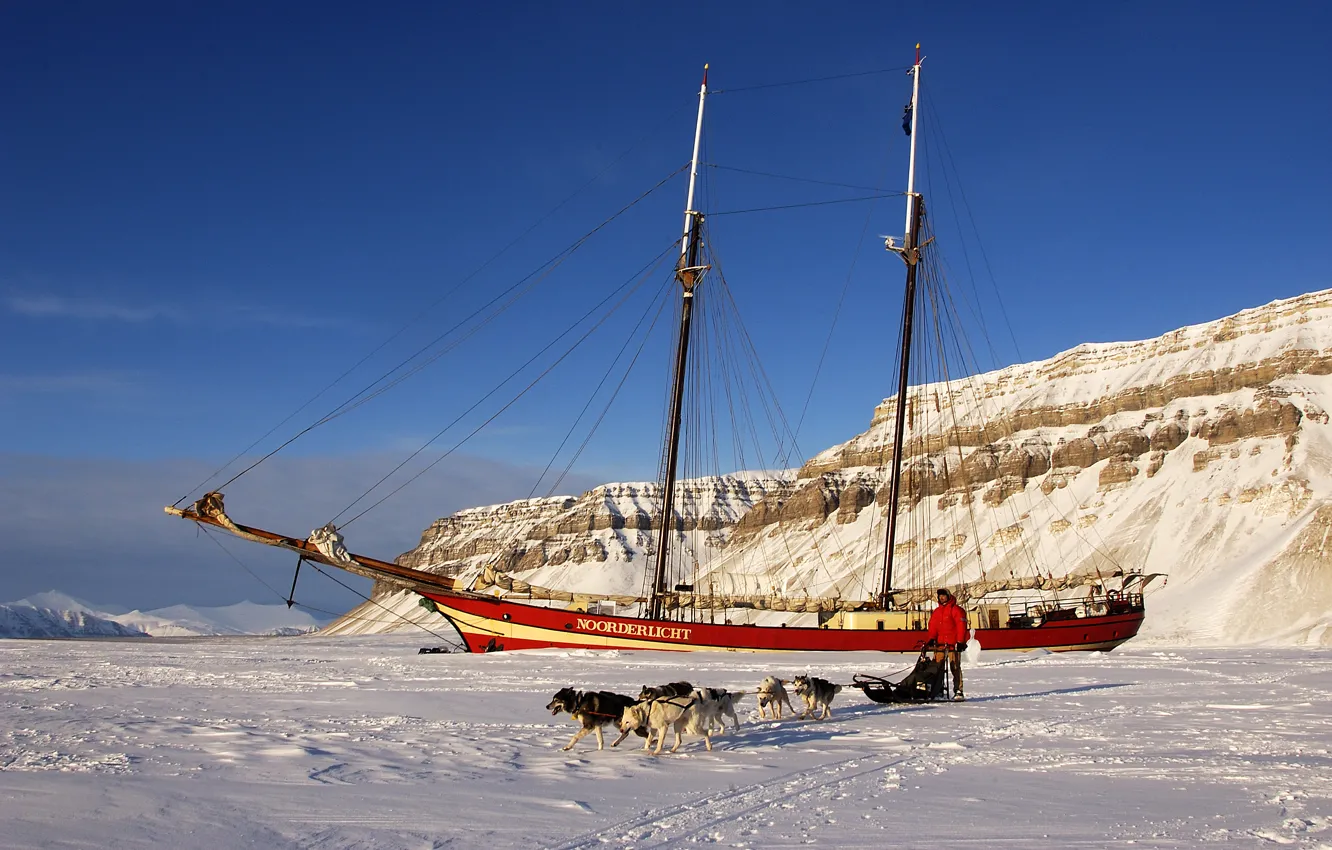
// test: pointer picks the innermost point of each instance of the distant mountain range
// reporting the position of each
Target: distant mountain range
(53, 614)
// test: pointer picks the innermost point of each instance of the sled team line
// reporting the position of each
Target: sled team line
(681, 708)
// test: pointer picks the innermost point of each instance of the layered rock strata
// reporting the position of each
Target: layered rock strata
(1195, 454)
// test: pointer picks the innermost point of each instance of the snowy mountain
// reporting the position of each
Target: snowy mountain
(53, 614)
(27, 621)
(1204, 455)
(243, 618)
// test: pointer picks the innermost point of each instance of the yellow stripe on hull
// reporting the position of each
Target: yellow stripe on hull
(485, 628)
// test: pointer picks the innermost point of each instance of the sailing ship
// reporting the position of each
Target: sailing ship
(1093, 608)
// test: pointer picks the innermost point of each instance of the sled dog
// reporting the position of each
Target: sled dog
(818, 695)
(680, 714)
(771, 694)
(716, 704)
(592, 709)
(674, 689)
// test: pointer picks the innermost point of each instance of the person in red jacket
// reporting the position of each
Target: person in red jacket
(948, 634)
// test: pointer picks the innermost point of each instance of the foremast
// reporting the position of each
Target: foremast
(689, 273)
(910, 252)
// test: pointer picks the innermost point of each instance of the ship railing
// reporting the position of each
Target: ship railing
(1031, 613)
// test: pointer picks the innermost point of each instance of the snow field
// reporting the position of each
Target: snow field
(353, 742)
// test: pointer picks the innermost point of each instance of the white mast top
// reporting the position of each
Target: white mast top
(915, 123)
(693, 168)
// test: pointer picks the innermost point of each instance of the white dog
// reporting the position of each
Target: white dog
(771, 695)
(716, 704)
(682, 714)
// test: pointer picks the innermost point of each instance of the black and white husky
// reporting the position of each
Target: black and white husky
(672, 689)
(592, 709)
(818, 695)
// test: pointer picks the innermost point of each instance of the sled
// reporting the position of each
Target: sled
(925, 682)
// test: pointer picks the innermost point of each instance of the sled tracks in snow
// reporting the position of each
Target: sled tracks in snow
(671, 825)
(747, 807)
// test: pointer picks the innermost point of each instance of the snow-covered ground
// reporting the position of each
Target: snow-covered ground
(357, 742)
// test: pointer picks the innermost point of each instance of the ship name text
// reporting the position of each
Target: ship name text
(633, 629)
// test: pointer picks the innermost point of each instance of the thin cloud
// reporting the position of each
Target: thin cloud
(58, 307)
(77, 384)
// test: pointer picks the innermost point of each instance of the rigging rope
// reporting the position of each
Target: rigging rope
(837, 312)
(795, 179)
(811, 204)
(592, 397)
(994, 284)
(315, 566)
(574, 458)
(382, 607)
(365, 394)
(513, 401)
(734, 89)
(418, 316)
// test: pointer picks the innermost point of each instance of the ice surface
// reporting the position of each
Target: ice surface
(355, 742)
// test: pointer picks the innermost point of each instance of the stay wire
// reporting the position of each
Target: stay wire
(810, 80)
(791, 178)
(973, 303)
(513, 401)
(1103, 550)
(837, 312)
(420, 314)
(596, 425)
(994, 284)
(455, 343)
(315, 566)
(544, 271)
(353, 402)
(240, 563)
(769, 403)
(592, 397)
(812, 204)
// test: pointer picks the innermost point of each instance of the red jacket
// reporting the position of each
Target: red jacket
(948, 623)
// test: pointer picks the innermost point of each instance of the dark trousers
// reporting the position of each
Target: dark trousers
(954, 657)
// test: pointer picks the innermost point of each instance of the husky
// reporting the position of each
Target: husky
(681, 714)
(593, 709)
(818, 695)
(719, 704)
(771, 694)
(674, 689)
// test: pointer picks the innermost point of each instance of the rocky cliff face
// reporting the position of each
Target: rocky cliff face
(1204, 454)
(596, 542)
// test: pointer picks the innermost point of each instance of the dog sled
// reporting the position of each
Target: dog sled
(927, 681)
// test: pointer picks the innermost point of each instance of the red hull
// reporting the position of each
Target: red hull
(489, 624)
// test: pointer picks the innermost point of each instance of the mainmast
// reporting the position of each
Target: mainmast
(690, 274)
(910, 251)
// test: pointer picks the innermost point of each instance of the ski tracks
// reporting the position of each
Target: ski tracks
(748, 806)
(688, 819)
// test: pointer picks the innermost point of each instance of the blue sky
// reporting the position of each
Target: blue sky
(208, 214)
